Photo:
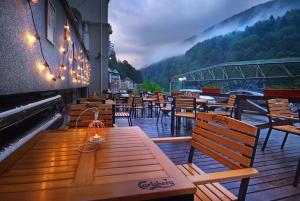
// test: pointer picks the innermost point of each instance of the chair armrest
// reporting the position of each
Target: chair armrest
(220, 105)
(223, 176)
(172, 139)
(282, 117)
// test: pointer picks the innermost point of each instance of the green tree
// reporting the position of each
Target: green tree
(150, 87)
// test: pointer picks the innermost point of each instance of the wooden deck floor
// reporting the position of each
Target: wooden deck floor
(277, 167)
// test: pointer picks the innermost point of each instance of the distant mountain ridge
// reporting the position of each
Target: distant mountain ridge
(249, 17)
(272, 38)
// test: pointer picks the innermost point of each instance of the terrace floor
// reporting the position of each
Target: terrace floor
(277, 167)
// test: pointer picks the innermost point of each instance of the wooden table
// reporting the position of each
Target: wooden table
(128, 166)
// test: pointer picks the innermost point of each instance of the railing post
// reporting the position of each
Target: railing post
(237, 110)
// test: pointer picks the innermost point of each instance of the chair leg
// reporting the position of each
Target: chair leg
(128, 121)
(243, 189)
(162, 116)
(284, 139)
(266, 140)
(297, 175)
(157, 117)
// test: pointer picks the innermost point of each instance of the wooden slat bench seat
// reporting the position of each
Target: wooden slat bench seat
(105, 114)
(228, 141)
(212, 191)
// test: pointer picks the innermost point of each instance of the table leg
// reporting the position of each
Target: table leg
(297, 175)
(172, 121)
(151, 107)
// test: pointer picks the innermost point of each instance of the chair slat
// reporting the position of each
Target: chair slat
(105, 114)
(227, 133)
(229, 122)
(230, 154)
(216, 156)
(224, 141)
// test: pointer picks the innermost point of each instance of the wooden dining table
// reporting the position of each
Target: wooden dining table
(127, 166)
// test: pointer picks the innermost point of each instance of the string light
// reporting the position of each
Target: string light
(36, 36)
(83, 69)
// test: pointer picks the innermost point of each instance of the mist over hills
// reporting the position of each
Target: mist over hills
(263, 40)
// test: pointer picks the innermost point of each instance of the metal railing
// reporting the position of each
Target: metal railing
(21, 113)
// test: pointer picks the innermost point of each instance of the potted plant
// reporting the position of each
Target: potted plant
(212, 89)
(290, 89)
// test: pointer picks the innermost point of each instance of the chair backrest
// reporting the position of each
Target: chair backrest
(105, 114)
(160, 97)
(231, 100)
(138, 101)
(228, 141)
(279, 106)
(184, 103)
(130, 101)
(91, 99)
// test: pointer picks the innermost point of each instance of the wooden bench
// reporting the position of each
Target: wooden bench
(105, 114)
(226, 140)
(279, 109)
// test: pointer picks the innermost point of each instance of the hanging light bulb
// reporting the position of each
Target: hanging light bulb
(32, 38)
(62, 50)
(67, 27)
(34, 1)
(63, 77)
(51, 76)
(63, 67)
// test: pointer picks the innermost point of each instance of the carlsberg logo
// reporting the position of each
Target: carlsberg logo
(165, 183)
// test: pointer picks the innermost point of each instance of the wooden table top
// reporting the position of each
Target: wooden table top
(127, 166)
(149, 99)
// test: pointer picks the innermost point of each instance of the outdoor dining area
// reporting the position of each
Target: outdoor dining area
(111, 148)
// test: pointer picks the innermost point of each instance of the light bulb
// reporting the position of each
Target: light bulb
(32, 38)
(62, 50)
(63, 77)
(34, 1)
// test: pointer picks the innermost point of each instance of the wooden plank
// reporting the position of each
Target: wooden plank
(35, 186)
(216, 156)
(228, 122)
(225, 142)
(127, 170)
(249, 140)
(129, 177)
(135, 163)
(46, 170)
(85, 169)
(36, 178)
(207, 144)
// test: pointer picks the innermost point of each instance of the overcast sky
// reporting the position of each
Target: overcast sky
(145, 30)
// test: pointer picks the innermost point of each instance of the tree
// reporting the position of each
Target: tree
(150, 87)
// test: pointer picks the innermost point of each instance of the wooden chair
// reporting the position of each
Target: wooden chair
(138, 104)
(226, 140)
(184, 107)
(229, 106)
(162, 106)
(127, 111)
(279, 110)
(105, 114)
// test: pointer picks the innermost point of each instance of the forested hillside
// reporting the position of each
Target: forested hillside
(273, 38)
(125, 69)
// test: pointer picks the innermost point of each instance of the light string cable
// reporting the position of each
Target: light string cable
(37, 36)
